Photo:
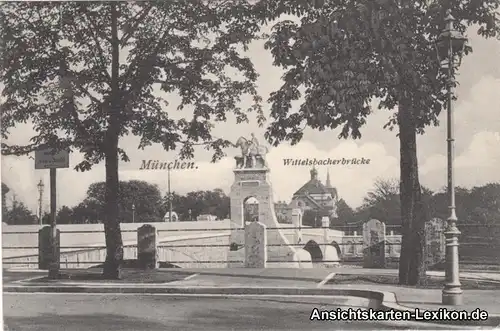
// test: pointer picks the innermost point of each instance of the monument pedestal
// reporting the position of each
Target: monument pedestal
(255, 183)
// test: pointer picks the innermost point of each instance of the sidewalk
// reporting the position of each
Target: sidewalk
(261, 282)
(321, 273)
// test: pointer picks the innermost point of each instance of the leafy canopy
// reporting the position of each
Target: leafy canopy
(344, 54)
(56, 72)
(145, 197)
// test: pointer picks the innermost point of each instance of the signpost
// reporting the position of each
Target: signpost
(52, 159)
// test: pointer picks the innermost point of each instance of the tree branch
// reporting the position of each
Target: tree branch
(133, 28)
(135, 62)
(98, 45)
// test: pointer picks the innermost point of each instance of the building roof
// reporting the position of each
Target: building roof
(313, 186)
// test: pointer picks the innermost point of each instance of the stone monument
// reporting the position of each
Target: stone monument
(435, 243)
(252, 181)
(297, 224)
(374, 244)
(255, 245)
(147, 247)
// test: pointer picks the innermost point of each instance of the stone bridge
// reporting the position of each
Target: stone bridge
(184, 244)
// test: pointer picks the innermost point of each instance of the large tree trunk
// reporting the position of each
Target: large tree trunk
(112, 231)
(411, 261)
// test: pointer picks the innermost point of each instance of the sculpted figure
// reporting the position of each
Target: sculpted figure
(250, 152)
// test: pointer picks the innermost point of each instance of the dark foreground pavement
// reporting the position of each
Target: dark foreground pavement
(75, 312)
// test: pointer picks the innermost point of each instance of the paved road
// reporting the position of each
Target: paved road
(75, 312)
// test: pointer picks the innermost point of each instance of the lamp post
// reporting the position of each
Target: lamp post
(169, 197)
(133, 213)
(450, 47)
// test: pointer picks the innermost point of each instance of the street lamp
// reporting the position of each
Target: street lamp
(450, 47)
(133, 213)
(169, 197)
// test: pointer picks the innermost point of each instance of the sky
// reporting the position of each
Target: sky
(477, 146)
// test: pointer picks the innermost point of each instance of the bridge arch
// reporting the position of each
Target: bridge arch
(250, 208)
(313, 248)
(337, 248)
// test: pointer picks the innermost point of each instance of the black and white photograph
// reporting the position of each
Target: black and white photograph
(253, 165)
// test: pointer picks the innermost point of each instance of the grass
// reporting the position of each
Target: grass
(137, 276)
(428, 283)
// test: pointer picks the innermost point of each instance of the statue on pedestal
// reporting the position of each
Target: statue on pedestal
(252, 153)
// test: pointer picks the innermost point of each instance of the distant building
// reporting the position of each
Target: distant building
(175, 218)
(316, 196)
(251, 211)
(282, 210)
(206, 218)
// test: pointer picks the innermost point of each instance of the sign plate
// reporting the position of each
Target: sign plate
(46, 159)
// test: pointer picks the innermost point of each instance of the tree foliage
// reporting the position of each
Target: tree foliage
(65, 215)
(344, 55)
(87, 73)
(19, 214)
(345, 215)
(57, 58)
(214, 202)
(383, 203)
(144, 196)
(5, 190)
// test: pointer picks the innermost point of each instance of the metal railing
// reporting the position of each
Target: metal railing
(471, 241)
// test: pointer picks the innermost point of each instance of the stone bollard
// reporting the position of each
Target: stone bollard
(374, 244)
(255, 245)
(297, 224)
(147, 249)
(45, 254)
(325, 224)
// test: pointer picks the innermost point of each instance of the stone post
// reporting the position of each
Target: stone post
(325, 224)
(45, 249)
(297, 224)
(374, 244)
(147, 250)
(255, 245)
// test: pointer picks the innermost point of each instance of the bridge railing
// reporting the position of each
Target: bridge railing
(478, 245)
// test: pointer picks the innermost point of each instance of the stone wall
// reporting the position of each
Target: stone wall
(91, 235)
(186, 252)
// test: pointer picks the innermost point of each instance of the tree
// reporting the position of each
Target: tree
(346, 54)
(5, 190)
(87, 212)
(19, 214)
(383, 203)
(87, 73)
(144, 196)
(214, 202)
(313, 218)
(345, 214)
(485, 205)
(64, 215)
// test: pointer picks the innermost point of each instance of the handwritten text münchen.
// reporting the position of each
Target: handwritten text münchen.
(164, 165)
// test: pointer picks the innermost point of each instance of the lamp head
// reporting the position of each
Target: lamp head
(450, 42)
